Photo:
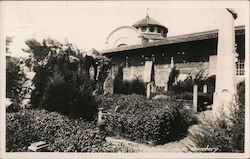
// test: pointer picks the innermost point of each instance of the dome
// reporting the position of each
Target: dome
(147, 21)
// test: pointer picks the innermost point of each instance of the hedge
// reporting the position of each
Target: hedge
(148, 121)
(60, 132)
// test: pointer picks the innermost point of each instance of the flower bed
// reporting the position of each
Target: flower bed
(149, 121)
(60, 132)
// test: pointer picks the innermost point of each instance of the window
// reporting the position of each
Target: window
(151, 29)
(240, 67)
(143, 29)
(158, 30)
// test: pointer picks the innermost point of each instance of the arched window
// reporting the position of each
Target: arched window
(159, 30)
(143, 29)
(151, 29)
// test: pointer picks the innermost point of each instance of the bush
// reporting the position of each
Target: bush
(136, 85)
(14, 81)
(199, 79)
(148, 121)
(60, 132)
(74, 99)
(225, 133)
(241, 92)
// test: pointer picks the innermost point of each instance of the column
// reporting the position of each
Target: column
(225, 85)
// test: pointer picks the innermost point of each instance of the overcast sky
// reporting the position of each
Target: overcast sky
(87, 24)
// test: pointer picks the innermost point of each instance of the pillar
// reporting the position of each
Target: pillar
(195, 97)
(225, 85)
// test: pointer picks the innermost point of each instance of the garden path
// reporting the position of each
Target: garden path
(175, 146)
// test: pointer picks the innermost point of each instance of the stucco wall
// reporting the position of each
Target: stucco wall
(132, 72)
(192, 68)
(123, 35)
(162, 71)
(161, 75)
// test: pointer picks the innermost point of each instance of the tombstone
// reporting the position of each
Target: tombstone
(148, 90)
(92, 72)
(195, 97)
(225, 85)
(108, 85)
(172, 63)
(205, 88)
(148, 71)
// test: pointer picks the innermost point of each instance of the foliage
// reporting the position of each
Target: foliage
(60, 132)
(136, 85)
(73, 98)
(118, 81)
(62, 79)
(187, 84)
(225, 133)
(144, 120)
(172, 77)
(14, 80)
(241, 92)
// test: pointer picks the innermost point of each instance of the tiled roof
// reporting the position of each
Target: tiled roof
(146, 22)
(239, 30)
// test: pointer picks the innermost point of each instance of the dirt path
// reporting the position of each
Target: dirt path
(176, 146)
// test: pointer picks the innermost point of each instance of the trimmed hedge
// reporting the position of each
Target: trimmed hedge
(60, 132)
(148, 121)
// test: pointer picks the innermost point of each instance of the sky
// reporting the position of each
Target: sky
(87, 24)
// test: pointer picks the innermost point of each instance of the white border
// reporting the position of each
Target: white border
(124, 4)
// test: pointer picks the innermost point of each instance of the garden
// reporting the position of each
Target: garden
(63, 97)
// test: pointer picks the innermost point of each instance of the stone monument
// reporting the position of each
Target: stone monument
(108, 85)
(225, 85)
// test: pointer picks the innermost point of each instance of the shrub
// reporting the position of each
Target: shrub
(225, 133)
(136, 85)
(62, 80)
(118, 81)
(148, 121)
(172, 77)
(60, 132)
(14, 81)
(241, 92)
(200, 79)
(74, 99)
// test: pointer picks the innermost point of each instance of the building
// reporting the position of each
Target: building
(145, 43)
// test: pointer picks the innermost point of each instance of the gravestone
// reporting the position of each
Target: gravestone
(108, 85)
(195, 97)
(147, 74)
(148, 90)
(205, 88)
